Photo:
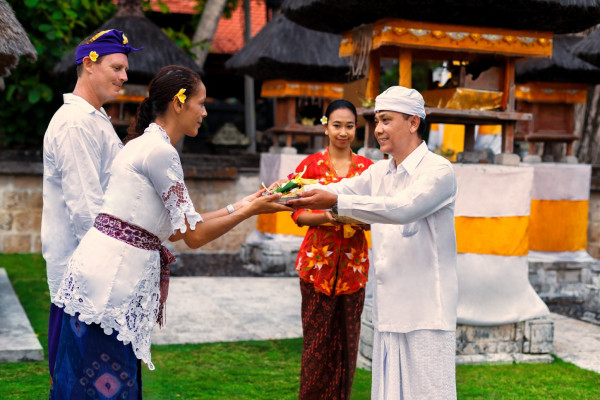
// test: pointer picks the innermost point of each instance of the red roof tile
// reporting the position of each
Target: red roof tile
(229, 37)
(176, 6)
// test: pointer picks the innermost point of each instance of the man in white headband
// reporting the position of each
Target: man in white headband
(409, 202)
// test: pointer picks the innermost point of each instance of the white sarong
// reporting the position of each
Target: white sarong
(413, 366)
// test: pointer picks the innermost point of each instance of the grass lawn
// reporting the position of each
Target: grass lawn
(258, 370)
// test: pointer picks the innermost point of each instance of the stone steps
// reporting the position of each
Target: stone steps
(18, 342)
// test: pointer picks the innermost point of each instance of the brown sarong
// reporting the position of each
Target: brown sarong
(331, 327)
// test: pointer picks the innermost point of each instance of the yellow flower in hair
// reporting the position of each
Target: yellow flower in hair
(323, 120)
(125, 41)
(93, 56)
(181, 96)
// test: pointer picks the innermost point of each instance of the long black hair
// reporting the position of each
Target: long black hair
(340, 104)
(163, 87)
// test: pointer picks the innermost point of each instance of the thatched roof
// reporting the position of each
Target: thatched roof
(285, 50)
(564, 66)
(158, 51)
(588, 48)
(558, 16)
(14, 42)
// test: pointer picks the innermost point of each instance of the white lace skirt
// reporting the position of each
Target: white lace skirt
(413, 366)
(115, 285)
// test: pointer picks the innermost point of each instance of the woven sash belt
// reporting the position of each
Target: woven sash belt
(139, 237)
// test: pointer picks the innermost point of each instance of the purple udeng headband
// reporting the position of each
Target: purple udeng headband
(107, 42)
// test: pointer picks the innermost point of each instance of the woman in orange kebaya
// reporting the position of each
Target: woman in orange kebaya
(333, 266)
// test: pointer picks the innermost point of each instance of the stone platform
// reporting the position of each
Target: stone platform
(18, 342)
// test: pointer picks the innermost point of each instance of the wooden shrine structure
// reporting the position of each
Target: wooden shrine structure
(550, 89)
(286, 94)
(487, 100)
(483, 39)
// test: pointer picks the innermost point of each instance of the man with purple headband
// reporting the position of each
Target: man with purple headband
(409, 202)
(79, 146)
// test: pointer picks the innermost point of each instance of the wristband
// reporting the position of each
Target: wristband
(230, 208)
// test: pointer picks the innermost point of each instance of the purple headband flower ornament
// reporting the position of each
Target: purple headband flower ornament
(105, 42)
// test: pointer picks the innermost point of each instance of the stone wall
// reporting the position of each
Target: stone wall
(209, 195)
(20, 213)
(593, 247)
(212, 181)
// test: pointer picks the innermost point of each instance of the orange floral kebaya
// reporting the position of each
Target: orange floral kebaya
(333, 258)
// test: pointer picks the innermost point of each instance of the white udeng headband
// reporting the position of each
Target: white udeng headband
(401, 99)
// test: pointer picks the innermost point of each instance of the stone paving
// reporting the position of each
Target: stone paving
(577, 342)
(216, 309)
(223, 309)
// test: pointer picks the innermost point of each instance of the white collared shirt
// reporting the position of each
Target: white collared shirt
(411, 211)
(79, 147)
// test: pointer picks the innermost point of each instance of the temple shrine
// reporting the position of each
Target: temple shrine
(487, 100)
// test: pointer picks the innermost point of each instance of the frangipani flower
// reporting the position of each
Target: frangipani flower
(93, 56)
(181, 96)
(323, 120)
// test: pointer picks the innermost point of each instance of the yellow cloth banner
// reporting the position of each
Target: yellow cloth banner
(552, 92)
(463, 98)
(500, 236)
(558, 225)
(490, 130)
(283, 88)
(454, 138)
(281, 223)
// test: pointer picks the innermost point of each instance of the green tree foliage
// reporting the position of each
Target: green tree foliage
(54, 27)
(32, 93)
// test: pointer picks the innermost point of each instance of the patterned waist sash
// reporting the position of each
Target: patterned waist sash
(139, 237)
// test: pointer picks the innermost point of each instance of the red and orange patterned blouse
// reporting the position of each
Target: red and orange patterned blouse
(333, 258)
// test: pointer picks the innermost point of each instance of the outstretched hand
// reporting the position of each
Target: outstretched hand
(267, 204)
(250, 198)
(316, 199)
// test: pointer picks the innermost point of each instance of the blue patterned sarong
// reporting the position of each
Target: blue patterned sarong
(93, 365)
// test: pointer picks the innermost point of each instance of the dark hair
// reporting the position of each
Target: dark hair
(163, 87)
(341, 104)
(421, 130)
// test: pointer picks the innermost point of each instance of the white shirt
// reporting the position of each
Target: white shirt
(115, 284)
(79, 146)
(411, 211)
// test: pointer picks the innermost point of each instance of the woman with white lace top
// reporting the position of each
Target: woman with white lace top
(116, 283)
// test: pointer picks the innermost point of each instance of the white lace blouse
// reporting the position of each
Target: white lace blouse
(110, 282)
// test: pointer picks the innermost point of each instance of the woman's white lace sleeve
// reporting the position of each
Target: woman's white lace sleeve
(166, 174)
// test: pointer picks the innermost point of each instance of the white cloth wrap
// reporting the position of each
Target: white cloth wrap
(494, 289)
(402, 100)
(414, 365)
